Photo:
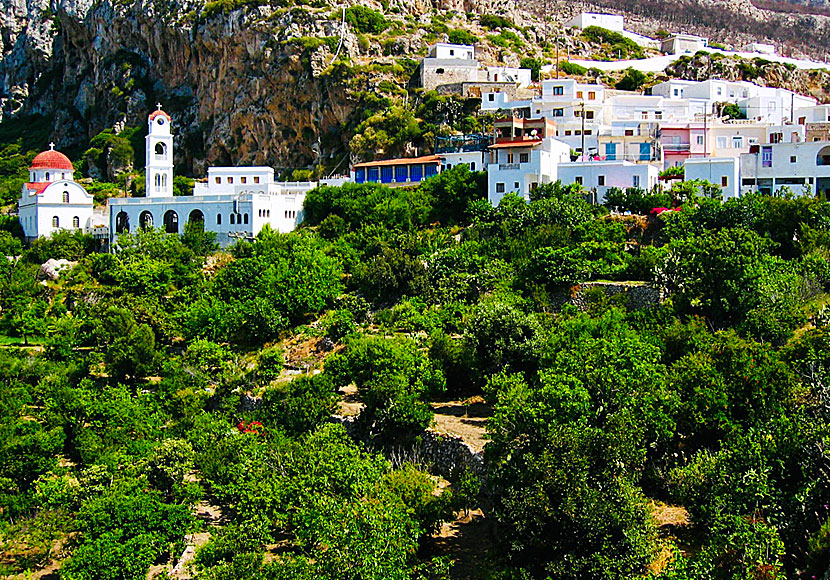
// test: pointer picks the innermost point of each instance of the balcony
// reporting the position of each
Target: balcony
(509, 166)
(676, 147)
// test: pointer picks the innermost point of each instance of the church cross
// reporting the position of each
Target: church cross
(158, 106)
(51, 146)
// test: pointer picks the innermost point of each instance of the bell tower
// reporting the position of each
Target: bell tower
(159, 145)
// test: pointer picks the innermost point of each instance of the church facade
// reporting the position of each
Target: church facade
(52, 200)
(234, 202)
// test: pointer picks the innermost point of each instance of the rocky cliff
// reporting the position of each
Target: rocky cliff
(247, 81)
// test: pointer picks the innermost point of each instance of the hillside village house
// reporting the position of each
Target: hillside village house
(234, 202)
(600, 176)
(723, 172)
(801, 167)
(52, 200)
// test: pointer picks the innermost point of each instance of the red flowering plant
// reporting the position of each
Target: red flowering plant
(252, 428)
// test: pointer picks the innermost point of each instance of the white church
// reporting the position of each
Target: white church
(234, 202)
(52, 200)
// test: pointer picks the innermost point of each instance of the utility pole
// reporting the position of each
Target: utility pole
(705, 135)
(583, 128)
(557, 57)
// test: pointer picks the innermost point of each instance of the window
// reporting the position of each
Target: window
(243, 179)
(720, 91)
(591, 95)
(737, 142)
(724, 181)
(589, 114)
(230, 179)
(601, 180)
(55, 222)
(516, 185)
(699, 139)
(776, 137)
(499, 188)
(510, 157)
(472, 165)
(47, 176)
(629, 132)
(567, 133)
(658, 115)
(802, 120)
(256, 179)
(452, 52)
(558, 112)
(792, 159)
(439, 71)
(578, 94)
(245, 218)
(645, 114)
(676, 92)
(233, 221)
(267, 213)
(723, 142)
(219, 219)
(766, 156)
(588, 131)
(65, 197)
(578, 180)
(558, 90)
(491, 97)
(635, 181)
(218, 180)
(524, 157)
(76, 222)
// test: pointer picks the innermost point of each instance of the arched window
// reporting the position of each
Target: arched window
(145, 220)
(196, 216)
(158, 181)
(76, 222)
(161, 150)
(232, 219)
(245, 218)
(171, 222)
(65, 197)
(56, 223)
(47, 176)
(122, 223)
(219, 219)
(164, 180)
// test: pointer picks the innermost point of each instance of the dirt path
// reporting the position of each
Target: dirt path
(467, 419)
(467, 541)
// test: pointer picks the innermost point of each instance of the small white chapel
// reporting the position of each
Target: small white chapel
(52, 200)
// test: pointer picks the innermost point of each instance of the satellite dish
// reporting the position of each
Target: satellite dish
(534, 132)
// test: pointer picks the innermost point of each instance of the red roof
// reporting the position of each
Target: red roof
(52, 160)
(519, 143)
(401, 161)
(158, 112)
(38, 188)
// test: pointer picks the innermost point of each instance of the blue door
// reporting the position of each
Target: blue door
(386, 174)
(359, 175)
(430, 171)
(611, 151)
(415, 172)
(372, 175)
(645, 151)
(400, 173)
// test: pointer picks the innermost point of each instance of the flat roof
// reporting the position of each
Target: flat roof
(400, 161)
(519, 143)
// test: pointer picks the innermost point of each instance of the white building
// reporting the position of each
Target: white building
(444, 50)
(683, 44)
(509, 74)
(761, 47)
(51, 200)
(522, 164)
(449, 64)
(585, 19)
(234, 202)
(600, 176)
(801, 167)
(723, 172)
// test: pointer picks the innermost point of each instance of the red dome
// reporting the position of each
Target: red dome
(52, 160)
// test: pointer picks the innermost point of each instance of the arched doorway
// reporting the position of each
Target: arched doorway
(145, 220)
(823, 157)
(171, 222)
(196, 216)
(122, 223)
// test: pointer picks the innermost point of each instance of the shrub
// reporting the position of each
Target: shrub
(571, 68)
(460, 36)
(492, 21)
(366, 20)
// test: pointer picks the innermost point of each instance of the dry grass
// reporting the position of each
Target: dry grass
(669, 515)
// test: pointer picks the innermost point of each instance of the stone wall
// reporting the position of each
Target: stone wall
(633, 295)
(442, 454)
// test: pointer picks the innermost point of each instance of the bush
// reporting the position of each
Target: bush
(365, 20)
(571, 68)
(461, 36)
(492, 21)
(632, 80)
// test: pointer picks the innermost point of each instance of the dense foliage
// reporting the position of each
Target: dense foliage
(170, 372)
